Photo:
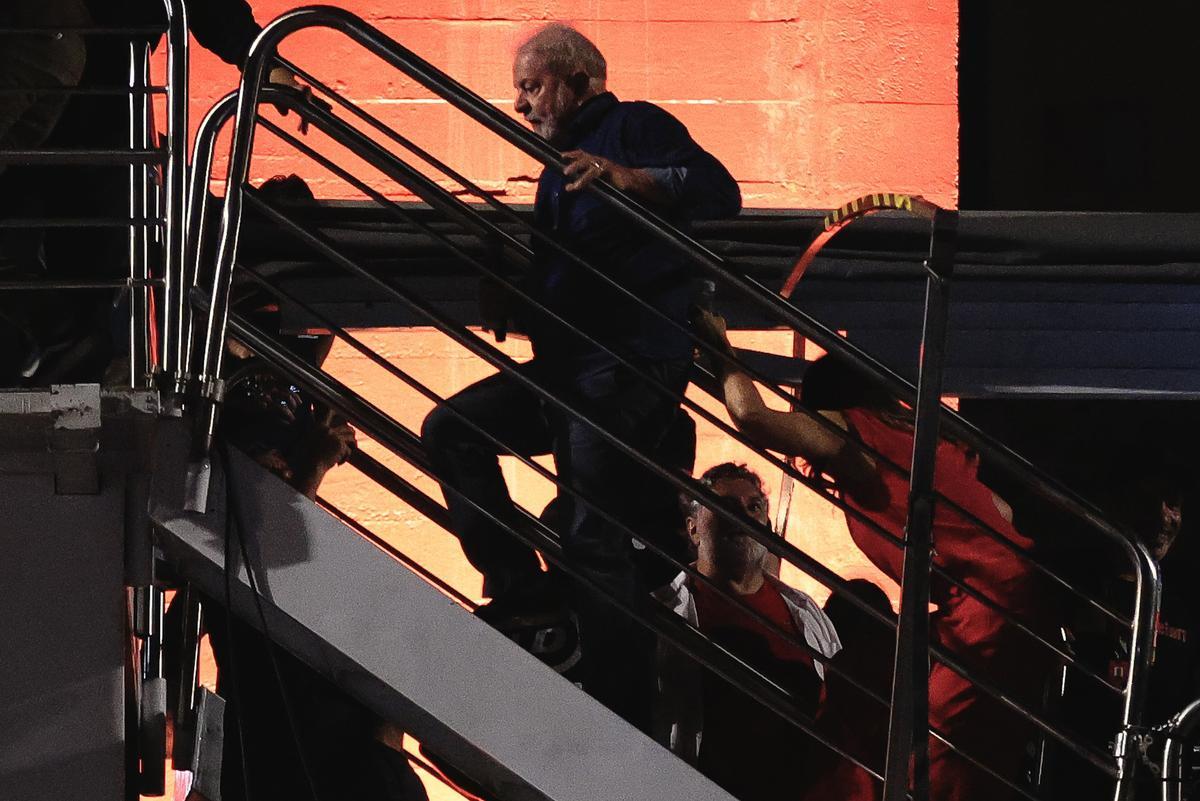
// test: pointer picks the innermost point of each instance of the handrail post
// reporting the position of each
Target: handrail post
(141, 364)
(174, 313)
(908, 728)
(211, 387)
(203, 154)
(1141, 656)
(1178, 729)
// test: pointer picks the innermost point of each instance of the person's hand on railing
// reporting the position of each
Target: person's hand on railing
(325, 445)
(495, 307)
(711, 328)
(584, 168)
(281, 77)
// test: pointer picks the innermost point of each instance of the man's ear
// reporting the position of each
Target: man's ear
(579, 83)
(689, 525)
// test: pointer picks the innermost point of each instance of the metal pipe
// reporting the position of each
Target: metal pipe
(478, 109)
(350, 138)
(75, 222)
(54, 286)
(1147, 599)
(80, 157)
(427, 189)
(781, 548)
(908, 728)
(336, 396)
(213, 354)
(1180, 727)
(203, 155)
(141, 365)
(705, 347)
(87, 30)
(385, 430)
(175, 312)
(84, 91)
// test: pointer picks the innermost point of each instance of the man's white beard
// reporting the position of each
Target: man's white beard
(552, 130)
(739, 557)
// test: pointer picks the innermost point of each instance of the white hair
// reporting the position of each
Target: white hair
(565, 52)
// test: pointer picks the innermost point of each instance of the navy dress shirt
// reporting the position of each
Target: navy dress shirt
(633, 134)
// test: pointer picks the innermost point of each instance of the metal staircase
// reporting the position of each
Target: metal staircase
(387, 630)
(487, 244)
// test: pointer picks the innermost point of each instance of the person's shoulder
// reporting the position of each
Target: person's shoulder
(644, 110)
(790, 593)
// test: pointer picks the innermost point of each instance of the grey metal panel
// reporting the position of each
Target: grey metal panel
(398, 645)
(62, 639)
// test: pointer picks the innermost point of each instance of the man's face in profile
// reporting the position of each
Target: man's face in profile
(544, 99)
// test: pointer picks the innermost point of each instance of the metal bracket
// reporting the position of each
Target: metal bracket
(212, 389)
(207, 747)
(943, 244)
(74, 438)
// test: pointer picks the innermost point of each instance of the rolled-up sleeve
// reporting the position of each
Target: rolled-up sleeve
(699, 186)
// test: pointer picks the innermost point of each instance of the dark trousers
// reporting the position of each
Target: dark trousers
(617, 652)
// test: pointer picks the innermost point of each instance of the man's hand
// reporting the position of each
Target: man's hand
(585, 168)
(283, 78)
(710, 327)
(328, 443)
(332, 440)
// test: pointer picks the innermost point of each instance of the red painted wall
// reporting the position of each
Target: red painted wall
(809, 104)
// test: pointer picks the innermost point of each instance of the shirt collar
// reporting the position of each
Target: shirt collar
(589, 115)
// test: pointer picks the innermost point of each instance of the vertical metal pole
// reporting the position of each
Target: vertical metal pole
(209, 380)
(174, 312)
(1141, 656)
(197, 217)
(140, 330)
(908, 732)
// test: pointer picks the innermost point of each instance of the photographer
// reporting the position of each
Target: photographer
(732, 739)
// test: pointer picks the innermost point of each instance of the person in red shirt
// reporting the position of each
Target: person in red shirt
(977, 635)
(741, 745)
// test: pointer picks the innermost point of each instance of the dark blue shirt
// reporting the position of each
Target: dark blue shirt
(633, 134)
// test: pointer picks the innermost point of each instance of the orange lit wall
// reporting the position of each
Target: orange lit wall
(809, 103)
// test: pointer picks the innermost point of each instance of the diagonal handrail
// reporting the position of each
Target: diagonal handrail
(442, 198)
(321, 119)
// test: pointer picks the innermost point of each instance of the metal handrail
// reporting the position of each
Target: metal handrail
(321, 120)
(507, 129)
(145, 221)
(1177, 731)
(550, 476)
(387, 432)
(176, 187)
(443, 199)
(699, 342)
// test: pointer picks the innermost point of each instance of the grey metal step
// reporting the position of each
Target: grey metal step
(405, 650)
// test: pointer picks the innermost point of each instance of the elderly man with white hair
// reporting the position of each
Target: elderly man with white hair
(560, 82)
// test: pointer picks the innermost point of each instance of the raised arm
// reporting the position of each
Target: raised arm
(794, 433)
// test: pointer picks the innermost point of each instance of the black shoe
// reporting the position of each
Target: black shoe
(547, 629)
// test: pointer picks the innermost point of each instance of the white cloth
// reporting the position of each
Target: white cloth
(679, 716)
